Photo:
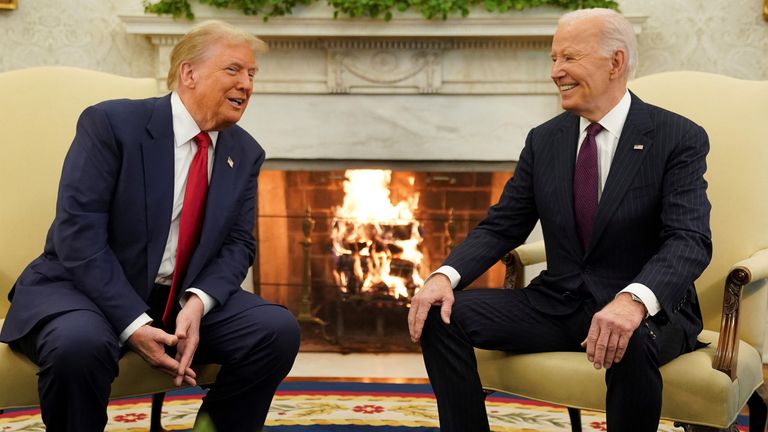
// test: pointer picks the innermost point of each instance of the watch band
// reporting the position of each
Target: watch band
(639, 300)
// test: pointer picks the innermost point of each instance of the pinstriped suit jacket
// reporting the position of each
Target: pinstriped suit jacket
(651, 225)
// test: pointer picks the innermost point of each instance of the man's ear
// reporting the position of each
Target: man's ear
(187, 76)
(619, 63)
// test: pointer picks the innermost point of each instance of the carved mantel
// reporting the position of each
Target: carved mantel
(314, 53)
(463, 89)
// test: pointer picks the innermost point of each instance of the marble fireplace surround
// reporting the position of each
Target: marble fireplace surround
(460, 92)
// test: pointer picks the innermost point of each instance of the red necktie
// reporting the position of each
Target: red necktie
(191, 223)
(585, 180)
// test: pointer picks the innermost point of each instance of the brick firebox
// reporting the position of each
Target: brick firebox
(355, 323)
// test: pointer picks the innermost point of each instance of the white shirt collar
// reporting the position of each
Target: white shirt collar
(184, 126)
(613, 122)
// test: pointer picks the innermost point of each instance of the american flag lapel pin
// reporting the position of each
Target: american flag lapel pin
(230, 162)
(638, 147)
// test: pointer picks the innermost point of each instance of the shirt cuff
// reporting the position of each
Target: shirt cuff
(208, 301)
(646, 296)
(450, 272)
(143, 319)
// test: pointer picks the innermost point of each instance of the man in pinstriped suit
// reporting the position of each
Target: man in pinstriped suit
(618, 286)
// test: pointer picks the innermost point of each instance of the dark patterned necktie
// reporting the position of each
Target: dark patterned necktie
(585, 180)
(191, 223)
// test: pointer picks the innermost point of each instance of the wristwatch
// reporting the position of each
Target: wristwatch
(637, 299)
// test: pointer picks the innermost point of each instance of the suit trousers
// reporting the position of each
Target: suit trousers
(78, 352)
(504, 319)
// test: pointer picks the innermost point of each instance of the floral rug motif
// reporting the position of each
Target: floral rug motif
(337, 407)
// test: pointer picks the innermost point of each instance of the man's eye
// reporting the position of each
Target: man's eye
(232, 69)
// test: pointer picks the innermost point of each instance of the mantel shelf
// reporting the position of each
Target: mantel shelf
(318, 23)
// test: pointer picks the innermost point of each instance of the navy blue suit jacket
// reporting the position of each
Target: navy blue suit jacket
(651, 225)
(113, 215)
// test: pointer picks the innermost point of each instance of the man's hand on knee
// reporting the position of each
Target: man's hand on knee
(150, 342)
(436, 291)
(611, 329)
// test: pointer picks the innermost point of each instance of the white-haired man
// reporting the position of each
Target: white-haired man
(151, 241)
(619, 189)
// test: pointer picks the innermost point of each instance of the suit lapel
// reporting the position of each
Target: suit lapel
(158, 156)
(625, 164)
(565, 161)
(218, 201)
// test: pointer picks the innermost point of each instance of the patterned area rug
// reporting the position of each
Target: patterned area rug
(338, 407)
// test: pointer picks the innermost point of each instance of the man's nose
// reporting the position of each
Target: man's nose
(245, 82)
(557, 70)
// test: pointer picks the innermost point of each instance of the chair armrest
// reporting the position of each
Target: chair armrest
(516, 260)
(756, 266)
(531, 253)
(741, 274)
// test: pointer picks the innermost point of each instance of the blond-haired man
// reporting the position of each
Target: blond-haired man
(151, 240)
(619, 189)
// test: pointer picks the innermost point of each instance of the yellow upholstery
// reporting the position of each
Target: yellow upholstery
(693, 391)
(38, 113)
(733, 112)
(19, 378)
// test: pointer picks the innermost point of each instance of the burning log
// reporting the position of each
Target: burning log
(375, 243)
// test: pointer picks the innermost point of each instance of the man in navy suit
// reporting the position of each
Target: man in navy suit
(101, 286)
(619, 189)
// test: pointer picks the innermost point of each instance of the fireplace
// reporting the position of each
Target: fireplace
(447, 104)
(376, 234)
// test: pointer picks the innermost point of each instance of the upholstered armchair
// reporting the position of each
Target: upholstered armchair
(38, 113)
(705, 389)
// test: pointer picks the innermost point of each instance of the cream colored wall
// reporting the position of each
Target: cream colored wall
(82, 33)
(725, 37)
(680, 34)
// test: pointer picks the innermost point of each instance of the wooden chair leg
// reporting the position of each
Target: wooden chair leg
(155, 420)
(575, 415)
(757, 413)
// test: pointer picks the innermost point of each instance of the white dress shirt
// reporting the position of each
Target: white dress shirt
(607, 141)
(184, 130)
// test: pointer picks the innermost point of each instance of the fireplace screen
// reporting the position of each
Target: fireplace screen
(345, 250)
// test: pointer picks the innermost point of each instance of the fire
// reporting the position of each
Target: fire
(376, 243)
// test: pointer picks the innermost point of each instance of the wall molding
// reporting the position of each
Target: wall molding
(481, 54)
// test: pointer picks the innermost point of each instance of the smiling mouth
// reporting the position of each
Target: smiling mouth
(566, 87)
(236, 102)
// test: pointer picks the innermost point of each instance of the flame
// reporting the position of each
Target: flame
(376, 242)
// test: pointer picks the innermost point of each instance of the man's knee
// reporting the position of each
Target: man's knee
(286, 335)
(80, 344)
(433, 322)
(278, 336)
(641, 353)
